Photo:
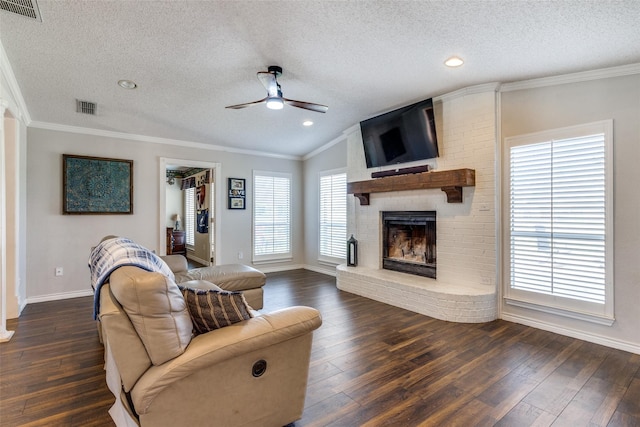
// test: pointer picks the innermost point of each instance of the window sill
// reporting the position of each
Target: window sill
(587, 317)
(271, 261)
(331, 261)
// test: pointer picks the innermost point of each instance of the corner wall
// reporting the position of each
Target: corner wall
(332, 158)
(65, 240)
(533, 109)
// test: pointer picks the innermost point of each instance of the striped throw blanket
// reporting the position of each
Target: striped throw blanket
(118, 252)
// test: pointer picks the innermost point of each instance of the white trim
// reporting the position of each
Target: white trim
(562, 306)
(162, 196)
(469, 90)
(5, 68)
(498, 202)
(59, 296)
(326, 258)
(351, 129)
(5, 335)
(583, 76)
(197, 259)
(156, 140)
(324, 147)
(559, 311)
(328, 270)
(573, 333)
(271, 257)
(275, 269)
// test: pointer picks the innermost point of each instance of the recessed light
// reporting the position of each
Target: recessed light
(127, 84)
(307, 123)
(453, 62)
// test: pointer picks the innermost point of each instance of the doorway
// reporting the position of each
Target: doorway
(208, 246)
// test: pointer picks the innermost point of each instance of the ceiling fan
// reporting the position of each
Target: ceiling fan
(274, 99)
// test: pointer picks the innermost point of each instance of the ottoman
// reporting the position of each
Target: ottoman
(230, 277)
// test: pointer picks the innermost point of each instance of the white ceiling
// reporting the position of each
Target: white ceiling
(192, 58)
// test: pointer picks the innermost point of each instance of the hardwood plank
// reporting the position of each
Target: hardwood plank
(371, 365)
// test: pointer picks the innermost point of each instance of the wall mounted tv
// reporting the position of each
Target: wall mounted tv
(400, 136)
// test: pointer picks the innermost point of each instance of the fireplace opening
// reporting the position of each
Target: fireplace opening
(409, 242)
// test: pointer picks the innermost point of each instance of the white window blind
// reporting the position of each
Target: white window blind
(558, 222)
(271, 216)
(189, 216)
(333, 216)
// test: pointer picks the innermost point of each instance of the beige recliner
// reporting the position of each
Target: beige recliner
(251, 373)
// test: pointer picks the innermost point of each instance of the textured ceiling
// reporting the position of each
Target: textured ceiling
(192, 58)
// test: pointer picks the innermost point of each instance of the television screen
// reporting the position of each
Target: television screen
(400, 136)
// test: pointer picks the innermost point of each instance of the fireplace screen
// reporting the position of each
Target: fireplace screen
(409, 242)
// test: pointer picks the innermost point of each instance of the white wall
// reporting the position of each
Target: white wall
(65, 240)
(332, 158)
(174, 204)
(618, 98)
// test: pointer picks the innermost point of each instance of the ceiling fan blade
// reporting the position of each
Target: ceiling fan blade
(248, 104)
(306, 105)
(269, 82)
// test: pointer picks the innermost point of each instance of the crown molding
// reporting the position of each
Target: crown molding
(470, 90)
(324, 147)
(583, 76)
(155, 140)
(20, 108)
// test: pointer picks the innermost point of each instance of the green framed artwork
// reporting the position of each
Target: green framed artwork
(96, 185)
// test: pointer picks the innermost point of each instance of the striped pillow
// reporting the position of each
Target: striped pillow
(210, 309)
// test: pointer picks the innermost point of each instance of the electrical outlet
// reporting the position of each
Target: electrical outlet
(240, 255)
(59, 271)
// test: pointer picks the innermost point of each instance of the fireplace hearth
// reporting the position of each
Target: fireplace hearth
(409, 242)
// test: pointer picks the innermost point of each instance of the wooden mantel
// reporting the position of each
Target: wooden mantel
(451, 182)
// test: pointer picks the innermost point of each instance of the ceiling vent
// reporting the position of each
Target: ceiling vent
(86, 107)
(27, 8)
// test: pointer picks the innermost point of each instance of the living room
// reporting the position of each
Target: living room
(474, 123)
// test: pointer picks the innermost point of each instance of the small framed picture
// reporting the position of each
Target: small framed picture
(237, 193)
(236, 203)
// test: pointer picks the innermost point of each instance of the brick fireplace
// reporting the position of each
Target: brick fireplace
(409, 242)
(463, 289)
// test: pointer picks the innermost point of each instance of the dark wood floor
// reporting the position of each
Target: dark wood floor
(372, 365)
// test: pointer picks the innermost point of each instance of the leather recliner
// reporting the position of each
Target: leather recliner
(251, 373)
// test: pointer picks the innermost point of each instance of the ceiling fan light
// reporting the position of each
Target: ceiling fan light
(275, 103)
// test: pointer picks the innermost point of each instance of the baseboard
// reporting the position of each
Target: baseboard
(573, 333)
(276, 268)
(328, 269)
(196, 259)
(62, 295)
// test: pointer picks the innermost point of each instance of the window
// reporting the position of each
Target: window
(333, 216)
(189, 216)
(559, 236)
(271, 216)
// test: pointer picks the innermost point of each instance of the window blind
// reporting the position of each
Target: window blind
(189, 216)
(271, 216)
(333, 216)
(557, 218)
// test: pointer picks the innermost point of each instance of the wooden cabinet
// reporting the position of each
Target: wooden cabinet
(176, 242)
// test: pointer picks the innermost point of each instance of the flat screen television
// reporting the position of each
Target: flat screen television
(404, 135)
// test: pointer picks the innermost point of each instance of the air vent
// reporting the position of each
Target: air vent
(27, 8)
(86, 107)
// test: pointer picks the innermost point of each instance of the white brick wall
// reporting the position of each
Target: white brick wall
(465, 232)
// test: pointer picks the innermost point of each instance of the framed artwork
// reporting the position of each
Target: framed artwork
(237, 193)
(96, 185)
